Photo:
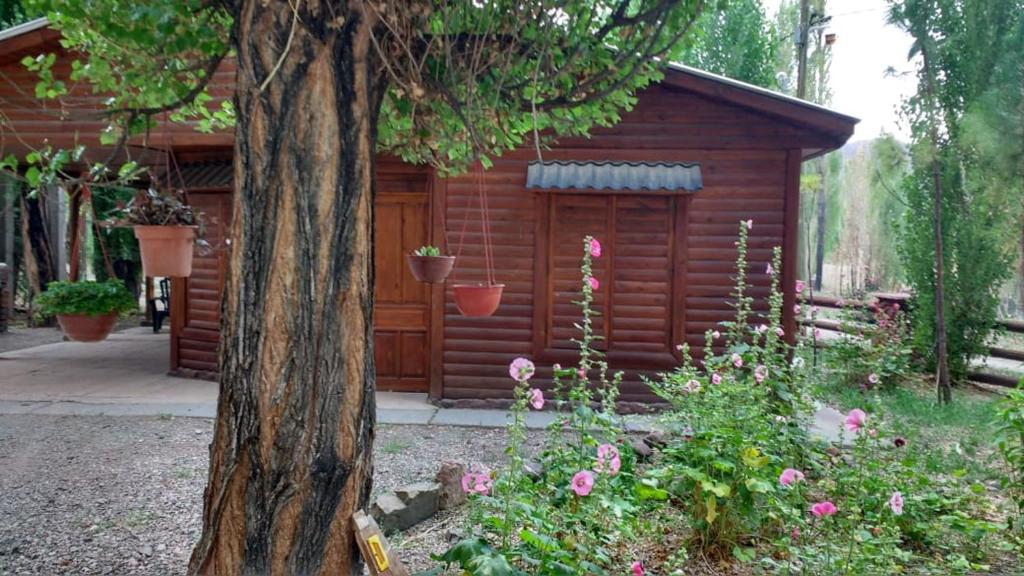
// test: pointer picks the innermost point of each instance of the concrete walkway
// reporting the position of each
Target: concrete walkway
(126, 375)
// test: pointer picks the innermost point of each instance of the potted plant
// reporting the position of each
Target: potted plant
(166, 227)
(478, 300)
(428, 265)
(88, 310)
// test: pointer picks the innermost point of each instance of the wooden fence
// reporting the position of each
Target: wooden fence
(987, 377)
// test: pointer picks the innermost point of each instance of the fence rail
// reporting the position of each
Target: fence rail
(997, 379)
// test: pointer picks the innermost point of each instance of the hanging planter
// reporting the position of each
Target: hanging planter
(167, 229)
(428, 265)
(478, 300)
(86, 311)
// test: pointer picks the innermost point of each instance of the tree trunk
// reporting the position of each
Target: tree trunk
(291, 455)
(819, 249)
(943, 389)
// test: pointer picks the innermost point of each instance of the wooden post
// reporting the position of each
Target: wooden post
(377, 553)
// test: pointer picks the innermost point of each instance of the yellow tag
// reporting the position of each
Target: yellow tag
(380, 557)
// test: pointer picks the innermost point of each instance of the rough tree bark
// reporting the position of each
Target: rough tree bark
(291, 454)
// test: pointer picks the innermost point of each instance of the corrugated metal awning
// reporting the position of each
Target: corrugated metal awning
(652, 176)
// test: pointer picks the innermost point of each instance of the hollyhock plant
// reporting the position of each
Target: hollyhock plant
(896, 503)
(797, 308)
(716, 334)
(855, 420)
(536, 398)
(638, 568)
(749, 224)
(716, 378)
(780, 332)
(760, 373)
(608, 459)
(899, 442)
(799, 286)
(790, 476)
(594, 284)
(737, 360)
(477, 482)
(769, 270)
(823, 509)
(873, 378)
(595, 248)
(691, 386)
(521, 369)
(583, 482)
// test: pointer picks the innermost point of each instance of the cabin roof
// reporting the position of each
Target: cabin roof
(17, 41)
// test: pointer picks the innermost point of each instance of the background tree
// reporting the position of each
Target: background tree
(320, 87)
(953, 241)
(738, 42)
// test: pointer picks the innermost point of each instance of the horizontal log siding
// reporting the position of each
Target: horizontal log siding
(743, 161)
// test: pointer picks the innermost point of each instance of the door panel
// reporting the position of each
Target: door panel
(401, 318)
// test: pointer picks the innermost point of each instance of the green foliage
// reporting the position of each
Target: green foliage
(1009, 440)
(86, 297)
(737, 41)
(872, 349)
(427, 250)
(963, 47)
(152, 207)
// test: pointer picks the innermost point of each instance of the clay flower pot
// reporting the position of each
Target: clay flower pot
(478, 299)
(430, 268)
(166, 250)
(85, 328)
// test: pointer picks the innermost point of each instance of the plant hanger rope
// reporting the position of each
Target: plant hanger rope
(485, 227)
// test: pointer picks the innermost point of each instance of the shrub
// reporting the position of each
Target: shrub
(85, 297)
(873, 348)
(1010, 442)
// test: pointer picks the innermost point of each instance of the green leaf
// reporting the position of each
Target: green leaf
(32, 175)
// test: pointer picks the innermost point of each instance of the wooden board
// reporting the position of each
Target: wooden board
(380, 558)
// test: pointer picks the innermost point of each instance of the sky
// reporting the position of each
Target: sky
(865, 48)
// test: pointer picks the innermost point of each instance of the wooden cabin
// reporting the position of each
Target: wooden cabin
(669, 251)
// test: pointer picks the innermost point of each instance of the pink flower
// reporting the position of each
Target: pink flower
(556, 367)
(737, 360)
(594, 284)
(749, 224)
(608, 459)
(789, 476)
(769, 270)
(581, 373)
(716, 378)
(761, 328)
(873, 378)
(799, 286)
(680, 347)
(825, 508)
(760, 373)
(840, 302)
(536, 398)
(796, 308)
(521, 369)
(780, 332)
(691, 386)
(873, 433)
(896, 503)
(855, 420)
(478, 482)
(595, 248)
(794, 534)
(583, 482)
(716, 334)
(638, 568)
(817, 333)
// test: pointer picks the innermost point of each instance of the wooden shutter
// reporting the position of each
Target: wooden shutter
(635, 270)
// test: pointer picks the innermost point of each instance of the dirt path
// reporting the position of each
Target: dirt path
(102, 495)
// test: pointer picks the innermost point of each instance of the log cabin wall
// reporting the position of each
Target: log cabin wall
(668, 261)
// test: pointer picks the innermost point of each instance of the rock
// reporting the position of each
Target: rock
(641, 448)
(161, 547)
(533, 469)
(147, 550)
(656, 439)
(449, 477)
(406, 507)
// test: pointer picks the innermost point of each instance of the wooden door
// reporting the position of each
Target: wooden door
(401, 321)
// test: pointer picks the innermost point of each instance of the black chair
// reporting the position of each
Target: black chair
(164, 299)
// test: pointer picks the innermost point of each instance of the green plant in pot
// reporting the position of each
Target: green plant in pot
(88, 310)
(167, 228)
(427, 264)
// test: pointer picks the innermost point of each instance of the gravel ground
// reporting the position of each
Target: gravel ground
(119, 495)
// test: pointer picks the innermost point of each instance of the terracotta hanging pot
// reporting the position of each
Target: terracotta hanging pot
(85, 328)
(166, 250)
(430, 268)
(478, 299)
